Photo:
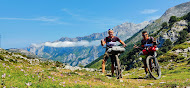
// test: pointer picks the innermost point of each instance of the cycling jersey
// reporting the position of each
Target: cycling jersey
(145, 43)
(111, 41)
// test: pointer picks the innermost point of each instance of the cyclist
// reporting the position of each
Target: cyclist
(145, 42)
(110, 41)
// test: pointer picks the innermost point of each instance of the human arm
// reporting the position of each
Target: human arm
(103, 42)
(122, 43)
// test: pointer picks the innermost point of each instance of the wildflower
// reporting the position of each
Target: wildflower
(53, 80)
(63, 85)
(28, 84)
(21, 69)
(61, 74)
(4, 75)
(87, 83)
(4, 87)
(75, 81)
(49, 77)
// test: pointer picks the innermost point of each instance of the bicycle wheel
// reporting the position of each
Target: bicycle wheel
(118, 70)
(153, 67)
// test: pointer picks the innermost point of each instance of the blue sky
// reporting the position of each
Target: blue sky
(23, 22)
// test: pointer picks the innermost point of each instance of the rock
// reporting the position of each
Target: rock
(121, 80)
(127, 74)
(178, 51)
(141, 68)
(108, 77)
(185, 50)
(151, 84)
(162, 82)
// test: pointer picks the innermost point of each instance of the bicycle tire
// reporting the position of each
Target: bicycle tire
(154, 70)
(118, 71)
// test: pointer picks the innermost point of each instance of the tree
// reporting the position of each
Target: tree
(167, 42)
(164, 25)
(182, 38)
(187, 17)
(172, 20)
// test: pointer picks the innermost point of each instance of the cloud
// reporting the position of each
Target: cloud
(69, 43)
(69, 12)
(43, 18)
(149, 11)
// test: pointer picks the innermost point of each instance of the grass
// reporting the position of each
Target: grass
(46, 75)
(18, 74)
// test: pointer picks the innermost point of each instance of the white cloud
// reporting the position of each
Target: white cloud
(69, 12)
(35, 19)
(149, 11)
(69, 43)
(43, 18)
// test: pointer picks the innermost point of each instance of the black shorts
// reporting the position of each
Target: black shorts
(113, 58)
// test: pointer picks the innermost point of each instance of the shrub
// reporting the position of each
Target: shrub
(12, 60)
(164, 25)
(58, 64)
(182, 38)
(172, 20)
(1, 57)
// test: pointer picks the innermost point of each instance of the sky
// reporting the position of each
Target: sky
(24, 22)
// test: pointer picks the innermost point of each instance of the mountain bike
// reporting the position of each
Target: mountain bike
(153, 66)
(116, 50)
(151, 61)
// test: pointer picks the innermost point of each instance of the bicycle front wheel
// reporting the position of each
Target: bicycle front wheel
(153, 67)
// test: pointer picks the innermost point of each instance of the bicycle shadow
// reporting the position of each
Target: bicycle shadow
(136, 78)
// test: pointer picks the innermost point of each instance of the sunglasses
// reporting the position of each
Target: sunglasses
(144, 34)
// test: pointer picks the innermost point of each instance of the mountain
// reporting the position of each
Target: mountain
(82, 50)
(156, 30)
(178, 11)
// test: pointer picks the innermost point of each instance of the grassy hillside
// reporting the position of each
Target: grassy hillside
(18, 72)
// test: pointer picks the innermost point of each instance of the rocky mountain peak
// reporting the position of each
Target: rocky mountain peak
(178, 11)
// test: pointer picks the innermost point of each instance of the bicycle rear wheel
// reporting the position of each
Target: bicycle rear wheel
(153, 67)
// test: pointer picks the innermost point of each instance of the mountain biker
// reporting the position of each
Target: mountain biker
(110, 41)
(144, 43)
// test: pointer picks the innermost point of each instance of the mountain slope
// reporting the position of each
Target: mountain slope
(154, 29)
(82, 50)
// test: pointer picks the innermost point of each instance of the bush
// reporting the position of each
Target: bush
(187, 17)
(164, 25)
(172, 20)
(12, 60)
(58, 64)
(182, 38)
(1, 57)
